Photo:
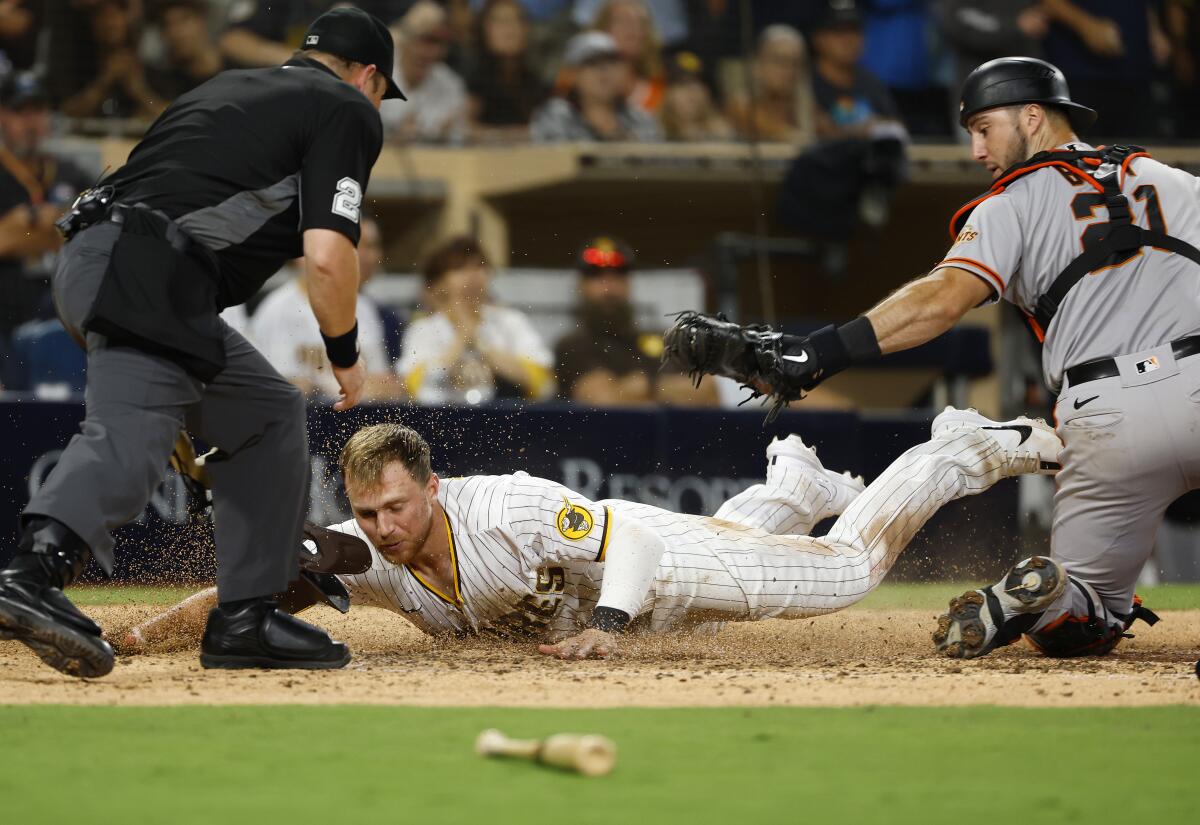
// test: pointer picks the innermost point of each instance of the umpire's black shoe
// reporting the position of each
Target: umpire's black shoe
(260, 635)
(34, 611)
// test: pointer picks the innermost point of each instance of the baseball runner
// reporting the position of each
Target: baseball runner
(1097, 248)
(248, 170)
(523, 557)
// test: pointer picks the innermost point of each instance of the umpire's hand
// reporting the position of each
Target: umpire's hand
(351, 380)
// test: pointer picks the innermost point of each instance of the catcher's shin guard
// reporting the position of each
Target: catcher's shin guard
(1095, 634)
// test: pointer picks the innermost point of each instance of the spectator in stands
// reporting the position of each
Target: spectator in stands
(20, 23)
(688, 112)
(851, 102)
(1182, 23)
(783, 110)
(35, 189)
(595, 107)
(504, 88)
(436, 109)
(469, 350)
(981, 30)
(668, 18)
(117, 86)
(1109, 51)
(897, 51)
(192, 56)
(629, 24)
(608, 361)
(266, 32)
(284, 329)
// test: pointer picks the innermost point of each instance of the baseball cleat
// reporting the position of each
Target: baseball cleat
(979, 621)
(1030, 444)
(843, 488)
(46, 622)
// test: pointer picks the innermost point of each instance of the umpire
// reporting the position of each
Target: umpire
(244, 172)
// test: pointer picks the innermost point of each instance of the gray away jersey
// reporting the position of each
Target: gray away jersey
(1020, 240)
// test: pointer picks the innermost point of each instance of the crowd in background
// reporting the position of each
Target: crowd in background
(646, 70)
(853, 79)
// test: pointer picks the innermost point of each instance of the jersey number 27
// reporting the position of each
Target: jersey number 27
(1084, 208)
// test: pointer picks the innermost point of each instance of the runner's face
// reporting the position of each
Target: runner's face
(396, 514)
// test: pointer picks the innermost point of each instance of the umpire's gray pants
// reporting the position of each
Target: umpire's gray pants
(136, 405)
(1132, 446)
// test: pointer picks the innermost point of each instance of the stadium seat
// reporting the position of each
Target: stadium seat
(46, 361)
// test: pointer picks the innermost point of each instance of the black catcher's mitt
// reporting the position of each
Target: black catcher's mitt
(781, 367)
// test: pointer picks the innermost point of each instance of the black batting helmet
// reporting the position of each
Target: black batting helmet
(1008, 81)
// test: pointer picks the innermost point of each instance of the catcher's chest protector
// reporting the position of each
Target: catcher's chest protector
(1115, 240)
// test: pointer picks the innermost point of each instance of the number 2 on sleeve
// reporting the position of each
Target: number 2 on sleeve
(348, 199)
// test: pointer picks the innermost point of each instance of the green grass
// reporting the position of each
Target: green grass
(126, 594)
(729, 765)
(900, 595)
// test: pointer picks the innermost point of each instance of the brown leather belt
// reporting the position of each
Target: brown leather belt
(1107, 367)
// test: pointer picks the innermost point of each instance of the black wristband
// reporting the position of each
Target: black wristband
(342, 351)
(858, 336)
(609, 619)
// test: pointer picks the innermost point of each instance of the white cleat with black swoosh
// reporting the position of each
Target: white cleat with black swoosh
(1030, 444)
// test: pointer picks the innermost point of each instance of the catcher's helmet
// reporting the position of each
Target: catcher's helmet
(1007, 81)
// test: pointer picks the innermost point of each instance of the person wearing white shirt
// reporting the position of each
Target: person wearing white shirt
(469, 350)
(436, 106)
(284, 329)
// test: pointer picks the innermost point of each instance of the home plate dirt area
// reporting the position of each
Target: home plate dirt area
(863, 656)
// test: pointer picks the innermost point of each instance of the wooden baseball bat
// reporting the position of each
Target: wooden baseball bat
(587, 754)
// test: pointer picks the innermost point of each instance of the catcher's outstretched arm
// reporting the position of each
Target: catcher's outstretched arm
(923, 309)
(178, 626)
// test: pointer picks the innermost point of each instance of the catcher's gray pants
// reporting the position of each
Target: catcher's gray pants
(136, 405)
(1132, 447)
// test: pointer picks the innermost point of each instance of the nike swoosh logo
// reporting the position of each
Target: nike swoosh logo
(1024, 429)
(799, 359)
(1079, 403)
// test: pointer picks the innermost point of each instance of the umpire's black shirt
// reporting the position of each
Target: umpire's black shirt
(247, 161)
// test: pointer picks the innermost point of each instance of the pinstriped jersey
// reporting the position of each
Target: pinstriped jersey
(529, 553)
(514, 541)
(1018, 241)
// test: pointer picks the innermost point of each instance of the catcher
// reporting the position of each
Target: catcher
(526, 558)
(1077, 238)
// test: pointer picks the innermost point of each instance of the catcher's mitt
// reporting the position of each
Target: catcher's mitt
(781, 367)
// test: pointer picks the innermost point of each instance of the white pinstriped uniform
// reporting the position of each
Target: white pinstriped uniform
(518, 573)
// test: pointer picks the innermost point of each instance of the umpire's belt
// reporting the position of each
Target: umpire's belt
(1107, 367)
(159, 293)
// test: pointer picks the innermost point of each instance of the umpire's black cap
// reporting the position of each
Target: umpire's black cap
(1008, 81)
(353, 34)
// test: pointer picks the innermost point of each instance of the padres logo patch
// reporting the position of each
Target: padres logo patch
(575, 522)
(967, 235)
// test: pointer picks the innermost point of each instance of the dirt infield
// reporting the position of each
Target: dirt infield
(853, 658)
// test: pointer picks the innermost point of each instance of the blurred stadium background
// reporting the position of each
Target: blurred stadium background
(567, 174)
